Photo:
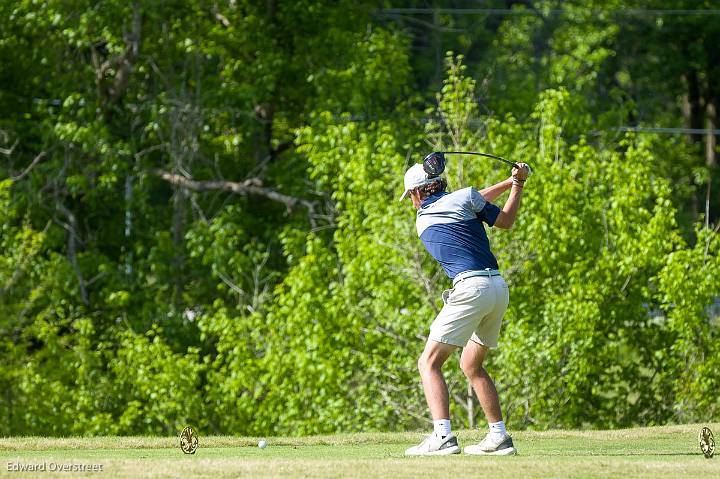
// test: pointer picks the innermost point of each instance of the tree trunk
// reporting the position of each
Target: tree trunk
(710, 140)
(691, 105)
(179, 200)
(710, 157)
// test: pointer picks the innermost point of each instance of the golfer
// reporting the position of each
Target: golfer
(450, 225)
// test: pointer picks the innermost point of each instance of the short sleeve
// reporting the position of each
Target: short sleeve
(477, 201)
(489, 213)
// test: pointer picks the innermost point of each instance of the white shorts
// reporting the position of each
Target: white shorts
(473, 309)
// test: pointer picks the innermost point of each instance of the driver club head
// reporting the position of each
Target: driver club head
(434, 164)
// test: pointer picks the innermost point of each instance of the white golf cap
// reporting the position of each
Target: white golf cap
(415, 176)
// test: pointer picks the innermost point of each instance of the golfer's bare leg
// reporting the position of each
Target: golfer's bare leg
(436, 391)
(471, 362)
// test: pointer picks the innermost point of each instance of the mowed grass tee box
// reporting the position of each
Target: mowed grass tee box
(669, 451)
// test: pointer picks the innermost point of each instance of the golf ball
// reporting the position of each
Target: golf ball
(262, 444)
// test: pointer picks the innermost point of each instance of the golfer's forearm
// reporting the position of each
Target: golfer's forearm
(492, 192)
(510, 209)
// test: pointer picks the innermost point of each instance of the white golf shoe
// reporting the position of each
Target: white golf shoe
(490, 447)
(434, 445)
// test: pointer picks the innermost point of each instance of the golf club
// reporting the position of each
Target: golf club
(434, 163)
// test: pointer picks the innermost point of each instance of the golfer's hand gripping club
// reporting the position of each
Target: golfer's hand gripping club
(521, 172)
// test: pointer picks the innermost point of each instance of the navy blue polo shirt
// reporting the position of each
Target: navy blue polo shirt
(450, 225)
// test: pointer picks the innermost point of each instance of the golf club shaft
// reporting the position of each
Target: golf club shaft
(514, 165)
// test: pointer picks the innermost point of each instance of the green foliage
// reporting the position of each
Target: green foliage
(688, 288)
(199, 219)
(596, 228)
